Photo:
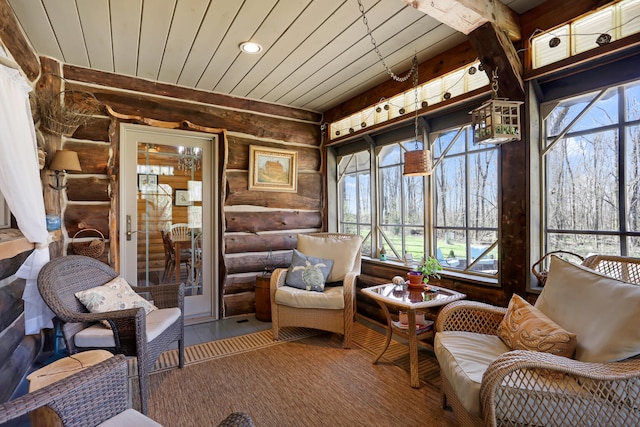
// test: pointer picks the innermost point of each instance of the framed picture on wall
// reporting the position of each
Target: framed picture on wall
(147, 183)
(272, 169)
(181, 198)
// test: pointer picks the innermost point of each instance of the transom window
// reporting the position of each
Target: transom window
(591, 156)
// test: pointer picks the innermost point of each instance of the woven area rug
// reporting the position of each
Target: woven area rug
(307, 380)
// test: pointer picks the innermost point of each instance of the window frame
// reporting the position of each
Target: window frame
(5, 214)
(469, 150)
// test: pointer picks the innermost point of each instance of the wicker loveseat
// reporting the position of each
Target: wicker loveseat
(487, 383)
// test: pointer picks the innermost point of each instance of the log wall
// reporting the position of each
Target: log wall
(257, 228)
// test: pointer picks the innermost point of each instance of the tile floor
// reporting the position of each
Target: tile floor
(225, 328)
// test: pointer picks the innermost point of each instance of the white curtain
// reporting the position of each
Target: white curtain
(22, 189)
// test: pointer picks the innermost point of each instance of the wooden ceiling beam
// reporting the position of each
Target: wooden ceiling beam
(491, 27)
(496, 52)
(467, 15)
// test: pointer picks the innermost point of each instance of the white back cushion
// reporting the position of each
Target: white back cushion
(343, 252)
(603, 312)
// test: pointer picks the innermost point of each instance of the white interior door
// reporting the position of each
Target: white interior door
(167, 185)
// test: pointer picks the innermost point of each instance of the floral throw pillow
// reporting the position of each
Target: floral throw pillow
(525, 327)
(307, 272)
(112, 296)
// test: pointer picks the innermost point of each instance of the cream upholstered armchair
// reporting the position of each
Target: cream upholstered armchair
(328, 309)
(503, 366)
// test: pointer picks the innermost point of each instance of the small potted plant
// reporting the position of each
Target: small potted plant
(419, 274)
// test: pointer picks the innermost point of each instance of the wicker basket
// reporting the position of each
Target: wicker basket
(63, 112)
(93, 248)
(542, 274)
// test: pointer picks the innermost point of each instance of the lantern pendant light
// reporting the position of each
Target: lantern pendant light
(498, 120)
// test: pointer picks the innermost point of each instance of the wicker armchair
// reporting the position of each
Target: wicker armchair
(95, 395)
(62, 277)
(530, 387)
(307, 308)
(87, 398)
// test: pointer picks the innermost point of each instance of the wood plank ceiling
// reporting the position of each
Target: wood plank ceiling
(316, 53)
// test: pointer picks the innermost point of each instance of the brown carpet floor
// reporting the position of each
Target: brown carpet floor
(309, 381)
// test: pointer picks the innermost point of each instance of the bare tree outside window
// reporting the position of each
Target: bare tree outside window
(591, 166)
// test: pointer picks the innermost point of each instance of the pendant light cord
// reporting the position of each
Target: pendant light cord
(413, 72)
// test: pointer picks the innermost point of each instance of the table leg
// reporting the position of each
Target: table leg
(385, 310)
(413, 350)
(178, 251)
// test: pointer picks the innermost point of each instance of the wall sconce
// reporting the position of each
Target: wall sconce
(63, 160)
(194, 215)
(195, 190)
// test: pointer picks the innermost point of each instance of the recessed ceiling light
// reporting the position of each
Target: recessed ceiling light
(250, 47)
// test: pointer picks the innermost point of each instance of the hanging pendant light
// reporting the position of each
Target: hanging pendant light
(496, 121)
(417, 162)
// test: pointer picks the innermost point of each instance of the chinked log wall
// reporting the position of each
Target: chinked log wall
(261, 226)
(258, 228)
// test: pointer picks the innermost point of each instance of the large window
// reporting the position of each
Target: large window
(354, 192)
(591, 181)
(465, 202)
(451, 215)
(401, 200)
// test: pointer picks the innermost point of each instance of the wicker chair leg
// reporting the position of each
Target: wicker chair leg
(143, 383)
(181, 352)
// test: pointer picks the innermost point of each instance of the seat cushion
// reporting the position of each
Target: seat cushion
(463, 358)
(98, 335)
(331, 298)
(343, 252)
(129, 417)
(603, 312)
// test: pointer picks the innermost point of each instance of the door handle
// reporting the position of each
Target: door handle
(129, 232)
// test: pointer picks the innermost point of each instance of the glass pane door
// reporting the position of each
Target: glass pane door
(168, 211)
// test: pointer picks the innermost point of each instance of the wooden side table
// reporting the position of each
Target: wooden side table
(409, 300)
(263, 297)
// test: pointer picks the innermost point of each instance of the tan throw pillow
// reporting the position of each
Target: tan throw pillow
(343, 252)
(603, 312)
(524, 327)
(113, 295)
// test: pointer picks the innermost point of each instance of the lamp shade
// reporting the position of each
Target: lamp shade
(65, 160)
(417, 163)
